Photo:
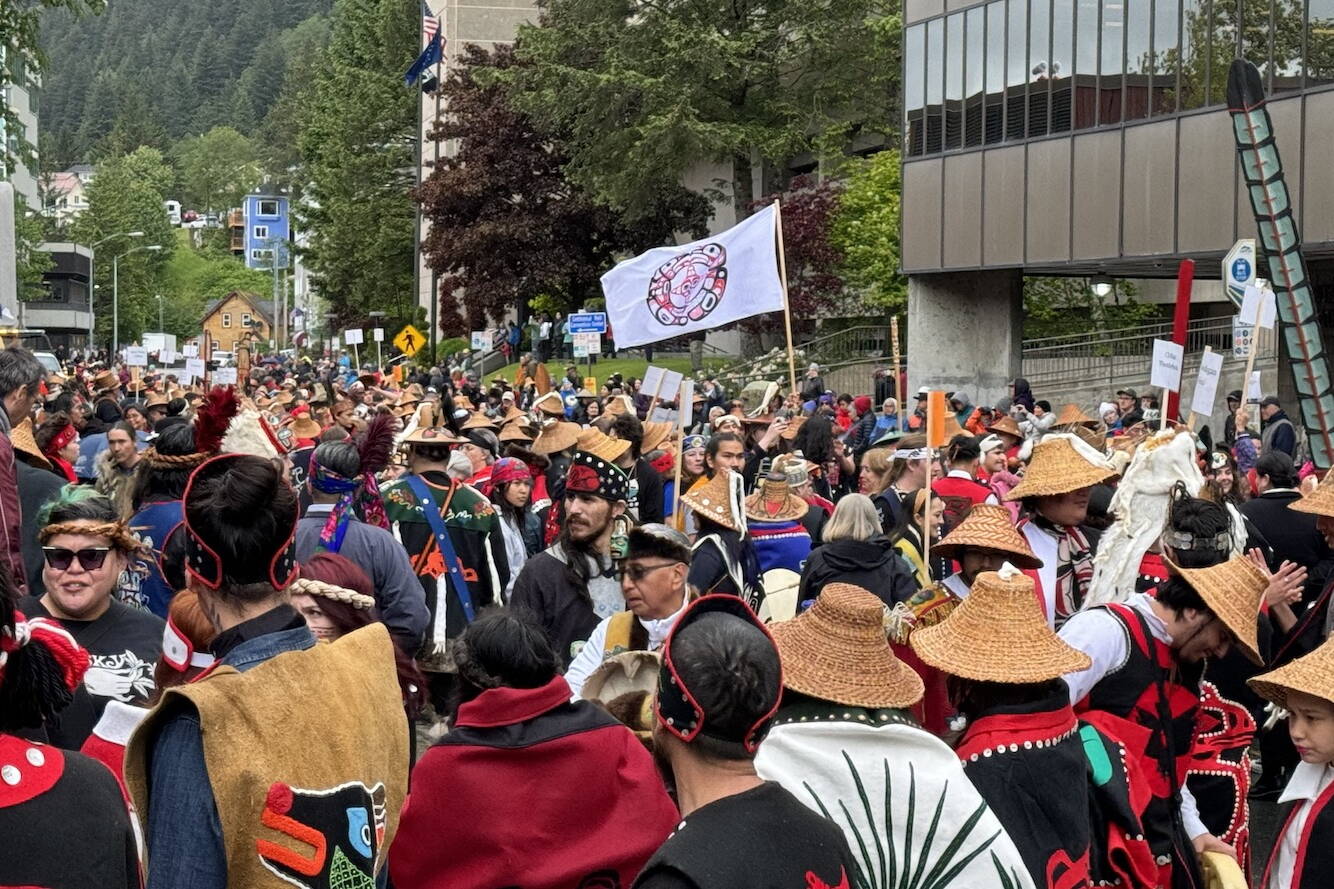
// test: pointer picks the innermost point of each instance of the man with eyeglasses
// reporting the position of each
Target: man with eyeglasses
(653, 581)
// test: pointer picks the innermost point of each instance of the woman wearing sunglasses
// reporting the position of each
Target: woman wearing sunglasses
(653, 581)
(85, 548)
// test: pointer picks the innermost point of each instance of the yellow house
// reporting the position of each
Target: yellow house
(226, 321)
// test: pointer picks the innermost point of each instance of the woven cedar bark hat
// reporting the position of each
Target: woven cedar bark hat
(1006, 426)
(988, 526)
(654, 435)
(595, 441)
(1320, 501)
(550, 404)
(1060, 464)
(775, 490)
(478, 420)
(1311, 674)
(713, 500)
(1233, 590)
(22, 438)
(998, 634)
(555, 435)
(1073, 415)
(837, 651)
(516, 432)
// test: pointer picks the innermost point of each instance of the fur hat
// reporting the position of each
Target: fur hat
(655, 540)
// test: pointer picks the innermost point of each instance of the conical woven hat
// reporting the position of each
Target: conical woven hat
(838, 651)
(551, 404)
(598, 443)
(21, 437)
(1072, 414)
(478, 420)
(988, 526)
(555, 435)
(1006, 425)
(1320, 501)
(775, 491)
(712, 500)
(1058, 467)
(1312, 674)
(654, 435)
(516, 432)
(1233, 590)
(998, 634)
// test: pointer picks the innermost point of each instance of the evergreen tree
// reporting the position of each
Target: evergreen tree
(358, 145)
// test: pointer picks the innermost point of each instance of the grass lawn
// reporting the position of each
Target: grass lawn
(626, 367)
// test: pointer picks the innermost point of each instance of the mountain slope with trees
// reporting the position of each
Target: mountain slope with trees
(150, 72)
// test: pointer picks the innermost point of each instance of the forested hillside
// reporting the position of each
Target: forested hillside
(152, 71)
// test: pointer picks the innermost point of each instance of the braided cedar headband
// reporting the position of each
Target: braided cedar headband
(172, 461)
(309, 587)
(117, 532)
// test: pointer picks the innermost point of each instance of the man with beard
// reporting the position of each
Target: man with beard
(571, 585)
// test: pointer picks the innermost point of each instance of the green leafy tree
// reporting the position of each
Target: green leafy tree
(127, 196)
(1068, 307)
(865, 230)
(647, 89)
(358, 144)
(278, 133)
(195, 276)
(216, 169)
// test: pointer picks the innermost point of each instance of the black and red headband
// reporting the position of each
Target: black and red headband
(204, 564)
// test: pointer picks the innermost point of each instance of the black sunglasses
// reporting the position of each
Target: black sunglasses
(90, 559)
(637, 572)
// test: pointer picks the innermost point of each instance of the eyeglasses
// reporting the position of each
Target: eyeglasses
(637, 572)
(90, 559)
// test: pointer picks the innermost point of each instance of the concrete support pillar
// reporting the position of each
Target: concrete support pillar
(9, 285)
(965, 332)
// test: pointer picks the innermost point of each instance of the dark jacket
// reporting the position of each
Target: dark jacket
(11, 518)
(1278, 435)
(651, 507)
(871, 564)
(398, 593)
(36, 488)
(1292, 536)
(567, 612)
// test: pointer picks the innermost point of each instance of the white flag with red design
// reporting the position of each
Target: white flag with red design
(671, 291)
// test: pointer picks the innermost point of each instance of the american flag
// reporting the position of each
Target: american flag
(430, 24)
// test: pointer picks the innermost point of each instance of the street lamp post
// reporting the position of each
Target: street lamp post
(115, 294)
(92, 277)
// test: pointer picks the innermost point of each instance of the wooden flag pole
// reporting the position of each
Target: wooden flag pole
(787, 309)
(1162, 409)
(657, 391)
(680, 447)
(894, 342)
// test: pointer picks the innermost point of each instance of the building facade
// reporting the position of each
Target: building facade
(261, 229)
(21, 97)
(66, 195)
(226, 321)
(1090, 138)
(63, 311)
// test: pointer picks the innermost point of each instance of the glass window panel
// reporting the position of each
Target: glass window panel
(1062, 66)
(1112, 61)
(1286, 46)
(995, 77)
(1016, 70)
(1138, 61)
(1255, 36)
(1320, 42)
(1086, 63)
(1223, 48)
(1039, 65)
(935, 83)
(954, 81)
(1166, 55)
(914, 89)
(974, 69)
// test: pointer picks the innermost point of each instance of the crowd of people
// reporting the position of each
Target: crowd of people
(354, 627)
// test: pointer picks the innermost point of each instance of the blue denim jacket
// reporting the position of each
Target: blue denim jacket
(184, 833)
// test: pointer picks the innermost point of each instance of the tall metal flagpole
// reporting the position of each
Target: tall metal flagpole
(441, 70)
(417, 225)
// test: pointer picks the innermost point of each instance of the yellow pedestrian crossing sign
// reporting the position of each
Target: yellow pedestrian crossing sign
(410, 341)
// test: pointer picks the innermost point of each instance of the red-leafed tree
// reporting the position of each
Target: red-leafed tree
(506, 224)
(814, 284)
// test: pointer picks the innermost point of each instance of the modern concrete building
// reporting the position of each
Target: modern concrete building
(62, 311)
(20, 96)
(1090, 137)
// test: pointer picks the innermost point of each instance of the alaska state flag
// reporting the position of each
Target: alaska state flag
(430, 56)
(670, 291)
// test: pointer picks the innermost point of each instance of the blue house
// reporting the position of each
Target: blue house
(267, 230)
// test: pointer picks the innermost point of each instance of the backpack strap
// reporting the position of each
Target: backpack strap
(432, 512)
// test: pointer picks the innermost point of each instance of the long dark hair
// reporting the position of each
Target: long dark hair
(502, 649)
(815, 439)
(340, 571)
(165, 481)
